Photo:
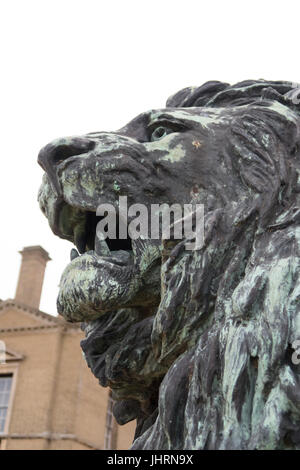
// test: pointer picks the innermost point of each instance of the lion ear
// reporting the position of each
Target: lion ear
(195, 96)
(293, 98)
(270, 93)
(290, 99)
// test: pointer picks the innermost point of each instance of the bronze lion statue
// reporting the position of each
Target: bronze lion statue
(197, 345)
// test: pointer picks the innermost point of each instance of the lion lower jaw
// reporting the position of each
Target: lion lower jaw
(91, 285)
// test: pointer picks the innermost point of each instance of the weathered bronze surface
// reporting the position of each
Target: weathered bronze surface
(196, 345)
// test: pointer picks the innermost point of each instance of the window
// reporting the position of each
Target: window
(110, 427)
(5, 388)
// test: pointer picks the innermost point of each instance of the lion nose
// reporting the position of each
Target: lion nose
(59, 150)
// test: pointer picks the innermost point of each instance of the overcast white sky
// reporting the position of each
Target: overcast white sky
(71, 67)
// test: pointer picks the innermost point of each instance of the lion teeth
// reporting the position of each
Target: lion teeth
(74, 254)
(80, 237)
(101, 247)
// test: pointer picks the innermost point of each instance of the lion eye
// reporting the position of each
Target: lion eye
(160, 132)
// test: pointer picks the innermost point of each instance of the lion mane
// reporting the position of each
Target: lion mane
(210, 363)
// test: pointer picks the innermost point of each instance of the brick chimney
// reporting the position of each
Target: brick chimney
(31, 276)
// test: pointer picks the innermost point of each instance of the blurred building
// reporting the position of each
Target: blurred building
(49, 399)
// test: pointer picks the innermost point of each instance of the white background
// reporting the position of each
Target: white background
(72, 67)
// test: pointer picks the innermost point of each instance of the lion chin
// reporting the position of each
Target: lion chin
(197, 345)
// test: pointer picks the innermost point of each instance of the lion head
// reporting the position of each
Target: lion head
(196, 345)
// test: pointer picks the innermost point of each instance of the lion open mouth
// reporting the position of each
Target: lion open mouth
(80, 227)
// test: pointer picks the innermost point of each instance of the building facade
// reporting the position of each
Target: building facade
(49, 399)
